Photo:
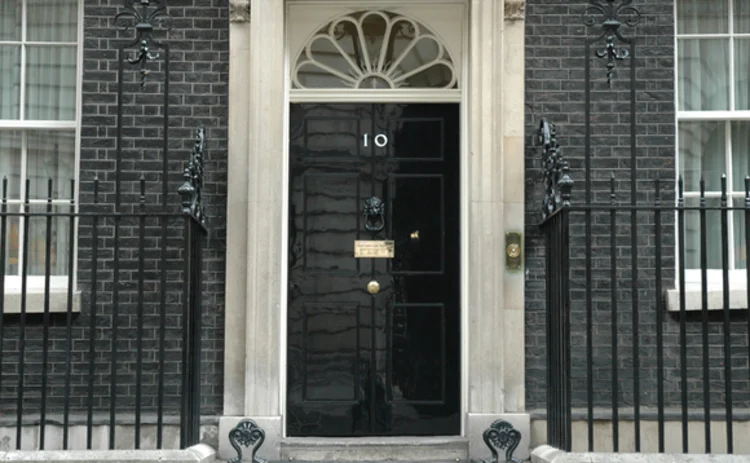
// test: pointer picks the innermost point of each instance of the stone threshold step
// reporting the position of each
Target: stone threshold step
(375, 449)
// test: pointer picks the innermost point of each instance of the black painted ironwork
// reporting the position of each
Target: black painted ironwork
(129, 246)
(501, 436)
(556, 210)
(144, 16)
(247, 433)
(85, 376)
(607, 16)
(374, 212)
(697, 398)
(191, 189)
(557, 181)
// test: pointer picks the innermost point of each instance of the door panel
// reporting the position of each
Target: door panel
(388, 363)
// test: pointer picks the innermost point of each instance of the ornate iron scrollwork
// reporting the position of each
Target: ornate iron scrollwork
(374, 212)
(609, 13)
(144, 16)
(557, 181)
(501, 435)
(248, 434)
(191, 189)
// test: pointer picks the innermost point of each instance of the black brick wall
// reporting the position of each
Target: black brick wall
(199, 62)
(555, 68)
(198, 88)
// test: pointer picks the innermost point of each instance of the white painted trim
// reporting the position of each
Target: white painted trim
(77, 159)
(380, 3)
(715, 298)
(45, 125)
(465, 131)
(304, 21)
(743, 115)
(284, 286)
(37, 43)
(381, 96)
(35, 284)
(459, 96)
(713, 36)
(22, 81)
(394, 71)
(677, 257)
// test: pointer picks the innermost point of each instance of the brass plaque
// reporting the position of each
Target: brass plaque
(364, 249)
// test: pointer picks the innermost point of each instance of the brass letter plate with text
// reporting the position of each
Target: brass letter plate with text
(373, 249)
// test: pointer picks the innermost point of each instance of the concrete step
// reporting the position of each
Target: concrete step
(376, 449)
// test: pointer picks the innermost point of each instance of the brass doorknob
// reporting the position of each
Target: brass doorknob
(373, 287)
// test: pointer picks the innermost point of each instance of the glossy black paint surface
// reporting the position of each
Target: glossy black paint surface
(384, 364)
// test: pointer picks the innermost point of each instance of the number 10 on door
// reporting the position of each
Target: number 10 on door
(380, 140)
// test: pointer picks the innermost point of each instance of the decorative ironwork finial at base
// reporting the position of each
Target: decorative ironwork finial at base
(609, 12)
(500, 436)
(247, 433)
(191, 189)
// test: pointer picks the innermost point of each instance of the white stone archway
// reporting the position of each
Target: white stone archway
(494, 175)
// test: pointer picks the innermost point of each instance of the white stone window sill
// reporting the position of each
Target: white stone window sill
(58, 301)
(694, 298)
(35, 289)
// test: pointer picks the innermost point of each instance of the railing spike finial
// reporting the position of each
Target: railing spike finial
(557, 181)
(191, 189)
(565, 184)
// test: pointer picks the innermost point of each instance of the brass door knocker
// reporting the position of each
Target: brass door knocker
(374, 212)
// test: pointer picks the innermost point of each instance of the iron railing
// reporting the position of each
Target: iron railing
(98, 339)
(675, 360)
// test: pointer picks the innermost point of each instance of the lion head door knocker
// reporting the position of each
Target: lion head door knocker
(374, 212)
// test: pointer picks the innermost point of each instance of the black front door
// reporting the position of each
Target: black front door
(385, 363)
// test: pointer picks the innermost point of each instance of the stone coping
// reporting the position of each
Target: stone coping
(200, 453)
(548, 454)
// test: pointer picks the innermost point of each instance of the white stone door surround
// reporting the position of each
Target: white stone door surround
(493, 204)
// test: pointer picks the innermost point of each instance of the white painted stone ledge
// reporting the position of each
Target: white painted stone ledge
(694, 300)
(547, 454)
(200, 453)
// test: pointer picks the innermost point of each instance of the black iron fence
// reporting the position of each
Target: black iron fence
(100, 317)
(647, 321)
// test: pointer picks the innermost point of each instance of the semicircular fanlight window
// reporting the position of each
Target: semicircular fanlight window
(374, 50)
